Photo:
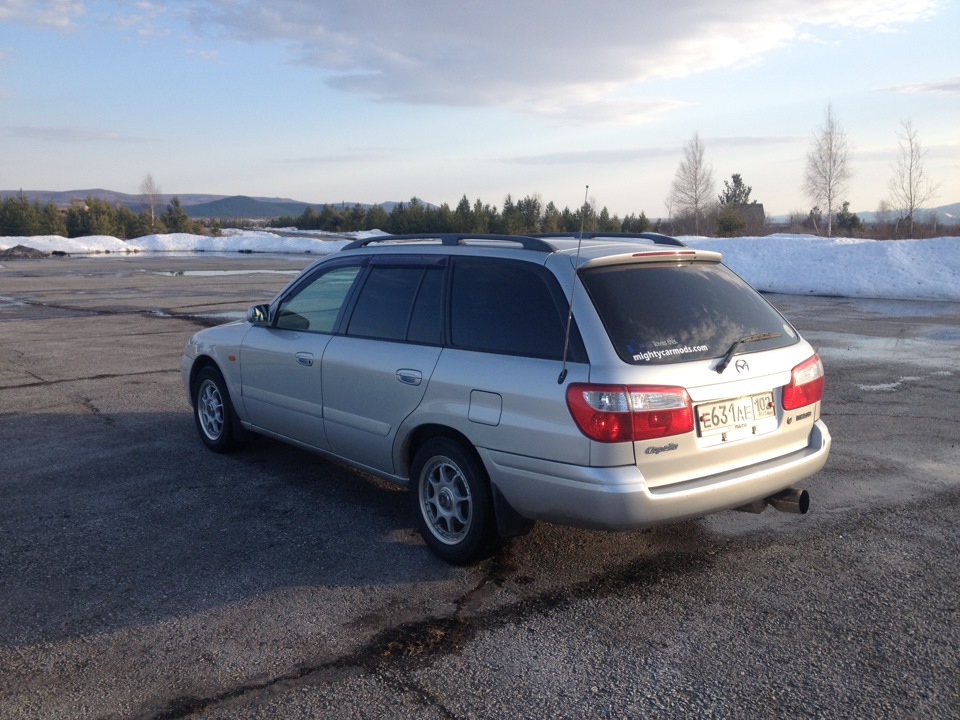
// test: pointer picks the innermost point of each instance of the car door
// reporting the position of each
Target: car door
(280, 361)
(376, 371)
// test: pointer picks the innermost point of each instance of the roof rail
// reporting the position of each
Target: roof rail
(528, 242)
(652, 236)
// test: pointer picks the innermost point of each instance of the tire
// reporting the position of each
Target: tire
(450, 496)
(213, 412)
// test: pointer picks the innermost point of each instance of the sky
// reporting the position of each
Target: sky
(374, 101)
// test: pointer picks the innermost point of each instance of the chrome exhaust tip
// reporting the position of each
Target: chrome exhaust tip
(791, 500)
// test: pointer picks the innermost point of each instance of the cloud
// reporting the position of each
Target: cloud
(146, 19)
(590, 157)
(54, 13)
(49, 133)
(633, 155)
(209, 55)
(543, 57)
(345, 158)
(950, 86)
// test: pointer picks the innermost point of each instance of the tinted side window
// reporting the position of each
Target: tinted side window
(426, 324)
(398, 303)
(315, 306)
(505, 308)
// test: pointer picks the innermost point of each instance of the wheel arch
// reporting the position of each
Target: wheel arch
(509, 522)
(204, 361)
(420, 435)
(199, 363)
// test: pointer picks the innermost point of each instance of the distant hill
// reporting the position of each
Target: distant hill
(241, 206)
(194, 205)
(946, 215)
(949, 213)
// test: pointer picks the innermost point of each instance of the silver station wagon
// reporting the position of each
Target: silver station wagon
(610, 382)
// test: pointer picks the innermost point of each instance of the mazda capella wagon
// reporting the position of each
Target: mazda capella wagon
(605, 382)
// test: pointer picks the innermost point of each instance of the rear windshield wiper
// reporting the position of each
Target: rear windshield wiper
(745, 339)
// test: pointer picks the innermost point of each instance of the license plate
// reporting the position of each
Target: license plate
(737, 417)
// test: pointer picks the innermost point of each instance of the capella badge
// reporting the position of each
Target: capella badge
(660, 449)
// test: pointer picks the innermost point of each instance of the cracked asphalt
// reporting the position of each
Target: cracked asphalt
(142, 576)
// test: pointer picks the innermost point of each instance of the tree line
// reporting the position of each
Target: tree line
(20, 217)
(516, 217)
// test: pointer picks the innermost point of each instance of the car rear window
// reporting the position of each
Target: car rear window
(660, 314)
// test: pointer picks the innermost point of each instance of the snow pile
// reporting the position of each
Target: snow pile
(926, 269)
(791, 264)
(230, 241)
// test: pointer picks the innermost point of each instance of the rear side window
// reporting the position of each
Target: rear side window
(656, 314)
(504, 307)
(400, 303)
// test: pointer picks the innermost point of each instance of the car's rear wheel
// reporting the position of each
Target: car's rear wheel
(450, 494)
(213, 411)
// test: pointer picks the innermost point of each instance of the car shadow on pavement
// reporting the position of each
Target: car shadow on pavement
(128, 519)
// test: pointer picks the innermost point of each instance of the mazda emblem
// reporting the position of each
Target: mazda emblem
(742, 366)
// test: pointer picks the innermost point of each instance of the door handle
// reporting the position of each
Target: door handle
(305, 359)
(409, 377)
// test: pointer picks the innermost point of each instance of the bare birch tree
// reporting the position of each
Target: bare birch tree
(150, 192)
(692, 192)
(828, 172)
(910, 189)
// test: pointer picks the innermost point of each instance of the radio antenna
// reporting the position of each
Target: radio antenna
(573, 289)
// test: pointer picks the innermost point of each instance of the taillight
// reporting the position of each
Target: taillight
(622, 413)
(806, 384)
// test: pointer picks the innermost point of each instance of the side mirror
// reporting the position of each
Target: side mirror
(259, 314)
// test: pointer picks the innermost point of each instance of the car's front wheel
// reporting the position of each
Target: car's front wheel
(450, 494)
(213, 411)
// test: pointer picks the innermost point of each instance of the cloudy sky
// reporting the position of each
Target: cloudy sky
(378, 100)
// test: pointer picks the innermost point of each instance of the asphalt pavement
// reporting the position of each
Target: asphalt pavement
(142, 576)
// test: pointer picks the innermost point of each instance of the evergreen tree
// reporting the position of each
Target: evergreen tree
(529, 210)
(376, 218)
(730, 222)
(483, 217)
(353, 220)
(735, 192)
(511, 221)
(19, 217)
(51, 221)
(634, 224)
(552, 219)
(463, 216)
(814, 219)
(848, 222)
(605, 223)
(442, 219)
(174, 219)
(309, 219)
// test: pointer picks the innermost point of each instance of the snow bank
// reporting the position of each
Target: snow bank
(791, 264)
(805, 265)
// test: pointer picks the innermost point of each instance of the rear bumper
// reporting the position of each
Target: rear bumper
(617, 498)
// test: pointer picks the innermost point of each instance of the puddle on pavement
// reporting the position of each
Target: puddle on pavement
(219, 273)
(226, 316)
(931, 351)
